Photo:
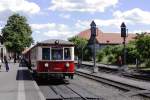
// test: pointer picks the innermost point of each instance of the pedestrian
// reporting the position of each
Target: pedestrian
(0, 63)
(119, 61)
(14, 59)
(6, 63)
(9, 57)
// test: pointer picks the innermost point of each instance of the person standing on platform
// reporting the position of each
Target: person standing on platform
(14, 59)
(119, 61)
(0, 63)
(6, 63)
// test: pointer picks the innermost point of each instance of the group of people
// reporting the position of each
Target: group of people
(5, 62)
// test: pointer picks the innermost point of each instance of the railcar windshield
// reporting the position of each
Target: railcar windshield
(57, 54)
(67, 53)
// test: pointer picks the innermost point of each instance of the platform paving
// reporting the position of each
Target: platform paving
(17, 84)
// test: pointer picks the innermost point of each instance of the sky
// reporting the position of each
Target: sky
(61, 19)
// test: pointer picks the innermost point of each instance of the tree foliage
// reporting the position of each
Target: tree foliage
(136, 49)
(80, 46)
(112, 53)
(143, 47)
(17, 33)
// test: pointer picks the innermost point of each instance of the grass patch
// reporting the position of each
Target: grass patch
(146, 69)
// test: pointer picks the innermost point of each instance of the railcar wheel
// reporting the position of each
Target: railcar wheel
(71, 76)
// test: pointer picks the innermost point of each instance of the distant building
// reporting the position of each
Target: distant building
(2, 49)
(104, 39)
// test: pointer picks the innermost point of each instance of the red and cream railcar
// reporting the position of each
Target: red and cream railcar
(52, 57)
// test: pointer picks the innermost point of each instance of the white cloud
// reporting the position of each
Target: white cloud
(58, 34)
(81, 25)
(50, 26)
(19, 6)
(130, 17)
(140, 31)
(135, 15)
(38, 32)
(66, 16)
(43, 26)
(82, 5)
(53, 30)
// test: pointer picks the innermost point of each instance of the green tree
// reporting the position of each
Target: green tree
(143, 48)
(132, 53)
(80, 45)
(138, 36)
(17, 34)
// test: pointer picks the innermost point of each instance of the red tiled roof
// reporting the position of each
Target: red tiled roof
(105, 38)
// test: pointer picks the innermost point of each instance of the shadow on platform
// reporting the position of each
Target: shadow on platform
(51, 81)
(23, 75)
(22, 64)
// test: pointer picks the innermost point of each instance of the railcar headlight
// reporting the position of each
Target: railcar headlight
(67, 64)
(46, 64)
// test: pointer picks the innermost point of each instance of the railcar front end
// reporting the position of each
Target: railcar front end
(53, 60)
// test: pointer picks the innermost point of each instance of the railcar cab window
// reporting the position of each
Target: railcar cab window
(46, 53)
(57, 53)
(67, 53)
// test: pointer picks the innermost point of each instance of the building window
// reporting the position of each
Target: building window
(46, 53)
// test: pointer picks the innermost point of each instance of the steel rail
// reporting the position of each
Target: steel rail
(113, 71)
(57, 93)
(84, 98)
(113, 83)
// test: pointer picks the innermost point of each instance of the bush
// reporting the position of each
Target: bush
(131, 53)
(111, 59)
(118, 50)
(107, 50)
(147, 63)
(100, 56)
(112, 52)
(87, 54)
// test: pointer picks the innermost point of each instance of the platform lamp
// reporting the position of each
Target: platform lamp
(124, 34)
(93, 34)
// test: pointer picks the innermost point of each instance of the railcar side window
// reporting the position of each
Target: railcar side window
(57, 54)
(46, 53)
(67, 53)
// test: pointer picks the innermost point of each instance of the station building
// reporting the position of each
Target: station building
(104, 39)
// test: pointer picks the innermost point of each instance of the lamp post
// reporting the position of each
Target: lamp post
(93, 34)
(124, 35)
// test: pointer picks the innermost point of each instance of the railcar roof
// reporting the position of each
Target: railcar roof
(54, 41)
(50, 42)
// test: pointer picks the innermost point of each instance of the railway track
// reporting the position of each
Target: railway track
(130, 89)
(115, 71)
(65, 91)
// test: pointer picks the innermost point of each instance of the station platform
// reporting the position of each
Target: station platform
(99, 65)
(17, 84)
(136, 83)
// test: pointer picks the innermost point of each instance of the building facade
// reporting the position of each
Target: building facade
(2, 50)
(104, 39)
